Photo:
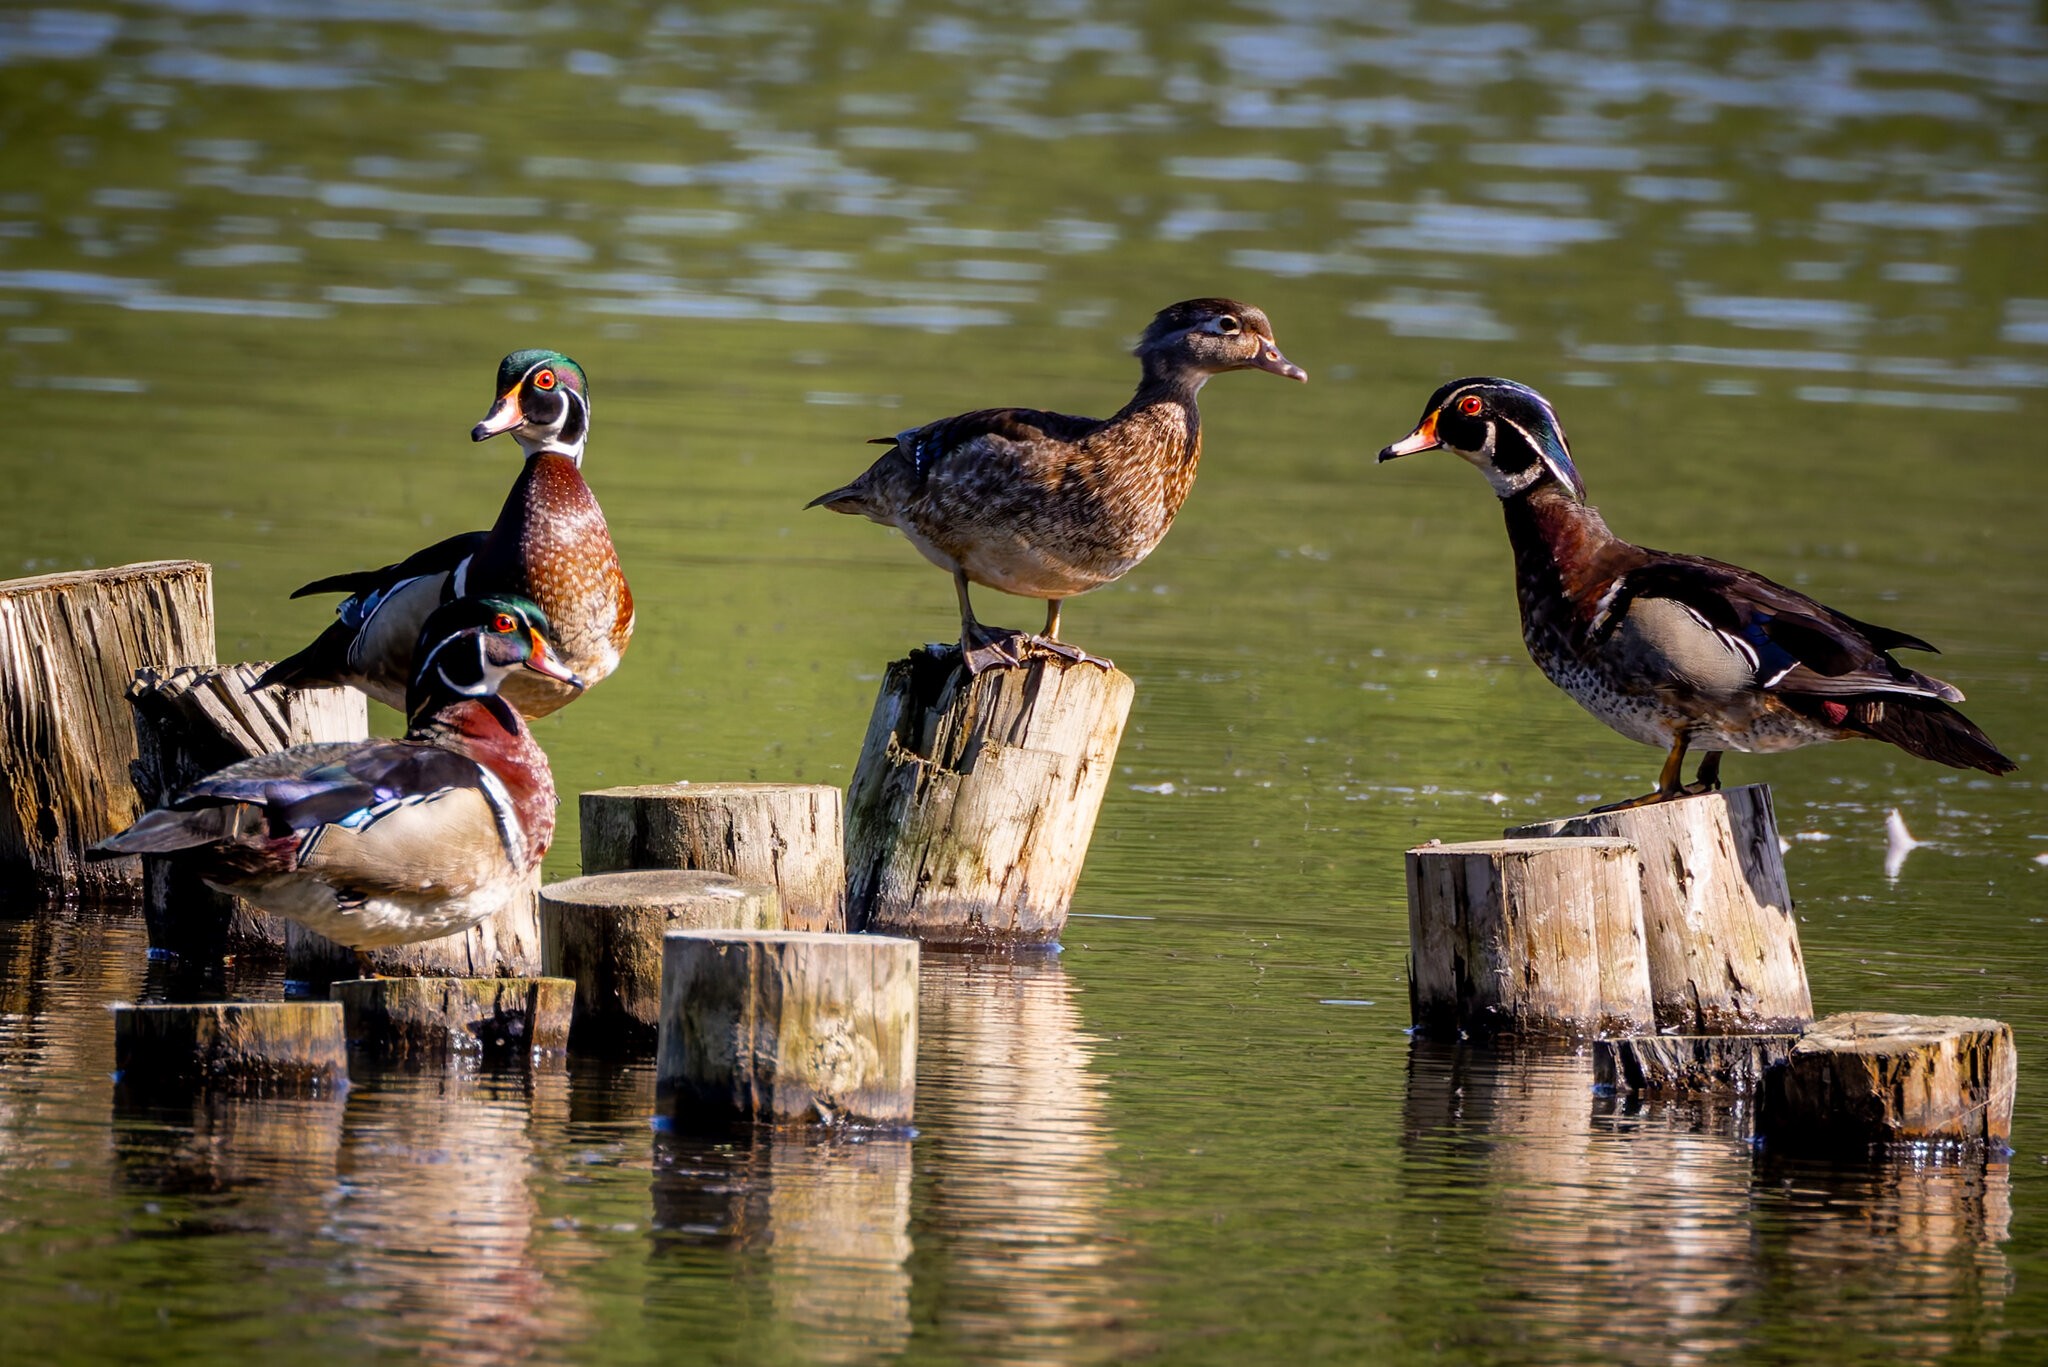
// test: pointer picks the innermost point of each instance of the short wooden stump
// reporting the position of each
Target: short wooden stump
(604, 931)
(787, 835)
(1526, 937)
(1687, 1065)
(244, 1048)
(435, 1020)
(1870, 1081)
(788, 1027)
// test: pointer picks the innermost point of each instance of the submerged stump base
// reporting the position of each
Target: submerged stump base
(240, 1048)
(189, 722)
(788, 1027)
(436, 1020)
(788, 835)
(69, 644)
(604, 931)
(1531, 938)
(1867, 1082)
(1688, 1065)
(1722, 942)
(971, 807)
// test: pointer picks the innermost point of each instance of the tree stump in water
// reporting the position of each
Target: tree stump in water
(505, 946)
(788, 1026)
(1867, 1081)
(69, 644)
(787, 835)
(1528, 938)
(1688, 1064)
(1717, 915)
(604, 932)
(190, 722)
(970, 810)
(247, 1048)
(433, 1020)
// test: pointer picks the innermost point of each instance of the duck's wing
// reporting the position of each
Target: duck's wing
(440, 558)
(369, 644)
(1742, 626)
(1022, 438)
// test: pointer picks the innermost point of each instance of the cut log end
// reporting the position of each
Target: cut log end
(239, 1048)
(432, 1021)
(1870, 1082)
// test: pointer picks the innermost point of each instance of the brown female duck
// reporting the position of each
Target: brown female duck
(1048, 505)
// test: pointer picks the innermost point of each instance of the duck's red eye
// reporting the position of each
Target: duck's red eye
(504, 622)
(1470, 405)
(544, 379)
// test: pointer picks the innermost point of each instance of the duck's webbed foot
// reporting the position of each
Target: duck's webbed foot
(992, 647)
(1066, 652)
(1669, 786)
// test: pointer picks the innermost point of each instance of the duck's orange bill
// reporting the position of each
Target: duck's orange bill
(1422, 438)
(542, 661)
(504, 416)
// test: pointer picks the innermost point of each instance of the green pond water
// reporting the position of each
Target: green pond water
(1782, 267)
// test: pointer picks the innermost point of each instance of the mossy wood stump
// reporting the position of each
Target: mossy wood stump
(244, 1048)
(1868, 1081)
(505, 946)
(788, 1027)
(972, 804)
(604, 932)
(1687, 1065)
(790, 836)
(1536, 938)
(190, 722)
(69, 644)
(1717, 915)
(434, 1020)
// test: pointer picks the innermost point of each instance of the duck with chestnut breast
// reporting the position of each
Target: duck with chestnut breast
(1678, 651)
(384, 842)
(1049, 505)
(549, 544)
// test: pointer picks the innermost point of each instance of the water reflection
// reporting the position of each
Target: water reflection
(277, 1154)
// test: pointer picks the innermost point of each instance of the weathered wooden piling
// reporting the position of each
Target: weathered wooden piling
(69, 644)
(1868, 1081)
(435, 1020)
(788, 1027)
(189, 722)
(604, 932)
(1534, 938)
(1717, 916)
(505, 946)
(245, 1048)
(787, 835)
(1687, 1065)
(971, 807)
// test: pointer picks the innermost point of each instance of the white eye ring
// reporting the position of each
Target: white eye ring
(1228, 326)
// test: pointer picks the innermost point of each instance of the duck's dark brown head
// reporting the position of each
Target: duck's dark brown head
(1197, 338)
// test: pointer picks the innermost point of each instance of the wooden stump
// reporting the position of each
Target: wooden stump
(505, 946)
(246, 1048)
(603, 931)
(1526, 937)
(1688, 1064)
(787, 835)
(970, 810)
(788, 1026)
(1867, 1081)
(433, 1020)
(1717, 916)
(190, 722)
(69, 644)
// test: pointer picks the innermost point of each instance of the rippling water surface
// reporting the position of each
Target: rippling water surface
(1780, 265)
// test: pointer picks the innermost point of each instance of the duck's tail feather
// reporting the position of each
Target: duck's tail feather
(320, 665)
(167, 830)
(1930, 729)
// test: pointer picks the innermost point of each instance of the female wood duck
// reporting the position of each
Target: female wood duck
(1678, 651)
(1047, 505)
(550, 545)
(384, 842)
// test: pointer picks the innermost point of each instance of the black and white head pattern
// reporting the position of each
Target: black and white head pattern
(1509, 431)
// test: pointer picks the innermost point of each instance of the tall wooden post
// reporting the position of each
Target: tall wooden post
(971, 808)
(190, 722)
(1717, 915)
(69, 644)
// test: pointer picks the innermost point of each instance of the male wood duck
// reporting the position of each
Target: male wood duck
(550, 545)
(1678, 651)
(1048, 505)
(384, 842)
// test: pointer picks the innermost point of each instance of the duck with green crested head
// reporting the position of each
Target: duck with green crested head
(550, 544)
(385, 842)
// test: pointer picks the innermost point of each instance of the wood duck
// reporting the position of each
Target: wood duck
(550, 545)
(384, 842)
(1048, 505)
(1678, 651)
